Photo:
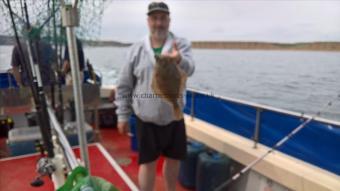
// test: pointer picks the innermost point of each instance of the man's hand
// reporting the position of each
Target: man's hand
(66, 67)
(174, 54)
(123, 127)
(17, 76)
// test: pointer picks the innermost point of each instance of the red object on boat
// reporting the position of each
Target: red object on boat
(16, 173)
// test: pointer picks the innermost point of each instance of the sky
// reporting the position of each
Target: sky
(229, 20)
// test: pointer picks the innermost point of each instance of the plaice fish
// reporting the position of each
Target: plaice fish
(168, 82)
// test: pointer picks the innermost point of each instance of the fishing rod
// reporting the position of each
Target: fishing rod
(37, 181)
(33, 74)
(272, 149)
(22, 9)
(13, 13)
(15, 33)
(52, 85)
(49, 165)
(60, 109)
(52, 15)
(41, 106)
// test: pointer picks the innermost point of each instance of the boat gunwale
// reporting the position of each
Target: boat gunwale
(268, 108)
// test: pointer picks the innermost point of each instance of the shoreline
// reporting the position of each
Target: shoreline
(225, 45)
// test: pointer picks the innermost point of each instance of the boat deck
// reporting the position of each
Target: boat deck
(16, 173)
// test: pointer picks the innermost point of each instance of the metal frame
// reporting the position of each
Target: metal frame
(70, 21)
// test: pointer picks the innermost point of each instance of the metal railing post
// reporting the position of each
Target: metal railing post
(192, 109)
(70, 19)
(257, 126)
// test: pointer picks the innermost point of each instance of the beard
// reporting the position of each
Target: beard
(160, 33)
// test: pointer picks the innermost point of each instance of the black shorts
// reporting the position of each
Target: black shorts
(154, 140)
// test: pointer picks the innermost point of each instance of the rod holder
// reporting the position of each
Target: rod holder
(70, 16)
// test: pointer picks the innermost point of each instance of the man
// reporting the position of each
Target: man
(157, 130)
(66, 65)
(46, 60)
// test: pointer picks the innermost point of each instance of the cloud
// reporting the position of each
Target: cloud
(283, 21)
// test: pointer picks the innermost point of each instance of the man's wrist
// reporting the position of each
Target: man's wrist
(179, 59)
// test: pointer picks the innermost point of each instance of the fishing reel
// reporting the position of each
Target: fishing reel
(45, 167)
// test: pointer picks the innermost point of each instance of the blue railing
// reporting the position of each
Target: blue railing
(318, 143)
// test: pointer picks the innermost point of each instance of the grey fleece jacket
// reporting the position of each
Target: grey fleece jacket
(134, 92)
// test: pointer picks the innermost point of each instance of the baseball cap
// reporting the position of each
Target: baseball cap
(158, 6)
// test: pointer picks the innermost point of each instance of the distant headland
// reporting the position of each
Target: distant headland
(312, 46)
(241, 45)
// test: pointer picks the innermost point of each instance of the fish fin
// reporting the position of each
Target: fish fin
(153, 85)
(183, 80)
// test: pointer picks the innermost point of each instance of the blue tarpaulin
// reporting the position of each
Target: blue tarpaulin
(318, 143)
(7, 80)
